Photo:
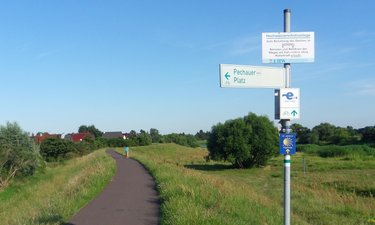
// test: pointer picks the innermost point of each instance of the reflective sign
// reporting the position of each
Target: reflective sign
(288, 143)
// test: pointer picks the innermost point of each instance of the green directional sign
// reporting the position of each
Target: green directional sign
(244, 76)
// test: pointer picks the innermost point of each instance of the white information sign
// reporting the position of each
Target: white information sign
(290, 103)
(288, 47)
(289, 97)
(243, 76)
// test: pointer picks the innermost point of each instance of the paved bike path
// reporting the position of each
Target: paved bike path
(129, 199)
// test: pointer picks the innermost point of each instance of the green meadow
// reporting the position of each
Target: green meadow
(331, 190)
(338, 190)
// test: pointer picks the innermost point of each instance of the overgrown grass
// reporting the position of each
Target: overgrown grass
(57, 194)
(348, 151)
(324, 190)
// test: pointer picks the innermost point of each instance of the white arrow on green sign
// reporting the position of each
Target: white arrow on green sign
(244, 76)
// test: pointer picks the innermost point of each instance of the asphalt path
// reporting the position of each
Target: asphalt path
(129, 199)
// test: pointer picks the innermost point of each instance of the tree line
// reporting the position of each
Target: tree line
(322, 134)
(21, 156)
(245, 142)
(53, 149)
(143, 137)
(326, 134)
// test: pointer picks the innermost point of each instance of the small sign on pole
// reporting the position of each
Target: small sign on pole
(287, 103)
(287, 143)
(288, 47)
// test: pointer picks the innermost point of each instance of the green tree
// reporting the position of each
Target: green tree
(19, 155)
(90, 129)
(314, 138)
(143, 138)
(201, 135)
(181, 139)
(341, 136)
(245, 142)
(100, 142)
(132, 134)
(155, 136)
(368, 134)
(192, 141)
(116, 142)
(303, 133)
(53, 149)
(325, 132)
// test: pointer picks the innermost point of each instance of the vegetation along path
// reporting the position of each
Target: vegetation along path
(129, 199)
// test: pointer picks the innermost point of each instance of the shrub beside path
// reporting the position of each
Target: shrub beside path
(129, 199)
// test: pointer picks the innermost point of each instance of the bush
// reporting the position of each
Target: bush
(245, 142)
(19, 155)
(83, 148)
(181, 139)
(144, 139)
(99, 143)
(116, 142)
(53, 149)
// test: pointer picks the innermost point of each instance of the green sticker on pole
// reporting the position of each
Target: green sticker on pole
(288, 143)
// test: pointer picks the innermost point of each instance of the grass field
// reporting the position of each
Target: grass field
(324, 190)
(57, 194)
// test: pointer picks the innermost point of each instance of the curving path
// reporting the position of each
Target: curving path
(129, 199)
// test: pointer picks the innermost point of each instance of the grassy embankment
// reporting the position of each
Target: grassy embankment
(57, 194)
(329, 191)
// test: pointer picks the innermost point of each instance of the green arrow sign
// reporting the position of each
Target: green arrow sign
(294, 112)
(227, 75)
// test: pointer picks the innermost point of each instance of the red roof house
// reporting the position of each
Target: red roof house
(80, 136)
(40, 137)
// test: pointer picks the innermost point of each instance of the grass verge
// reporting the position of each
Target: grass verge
(324, 190)
(57, 194)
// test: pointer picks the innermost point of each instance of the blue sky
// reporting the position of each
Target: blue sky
(131, 65)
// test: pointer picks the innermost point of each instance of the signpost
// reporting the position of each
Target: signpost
(244, 76)
(285, 128)
(286, 47)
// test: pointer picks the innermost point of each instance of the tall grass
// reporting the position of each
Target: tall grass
(348, 151)
(56, 195)
(190, 196)
(196, 192)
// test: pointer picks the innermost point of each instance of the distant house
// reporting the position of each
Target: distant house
(40, 137)
(77, 137)
(115, 134)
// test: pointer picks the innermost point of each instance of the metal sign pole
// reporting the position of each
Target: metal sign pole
(286, 129)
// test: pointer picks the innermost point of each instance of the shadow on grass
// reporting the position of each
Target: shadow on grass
(209, 167)
(50, 219)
